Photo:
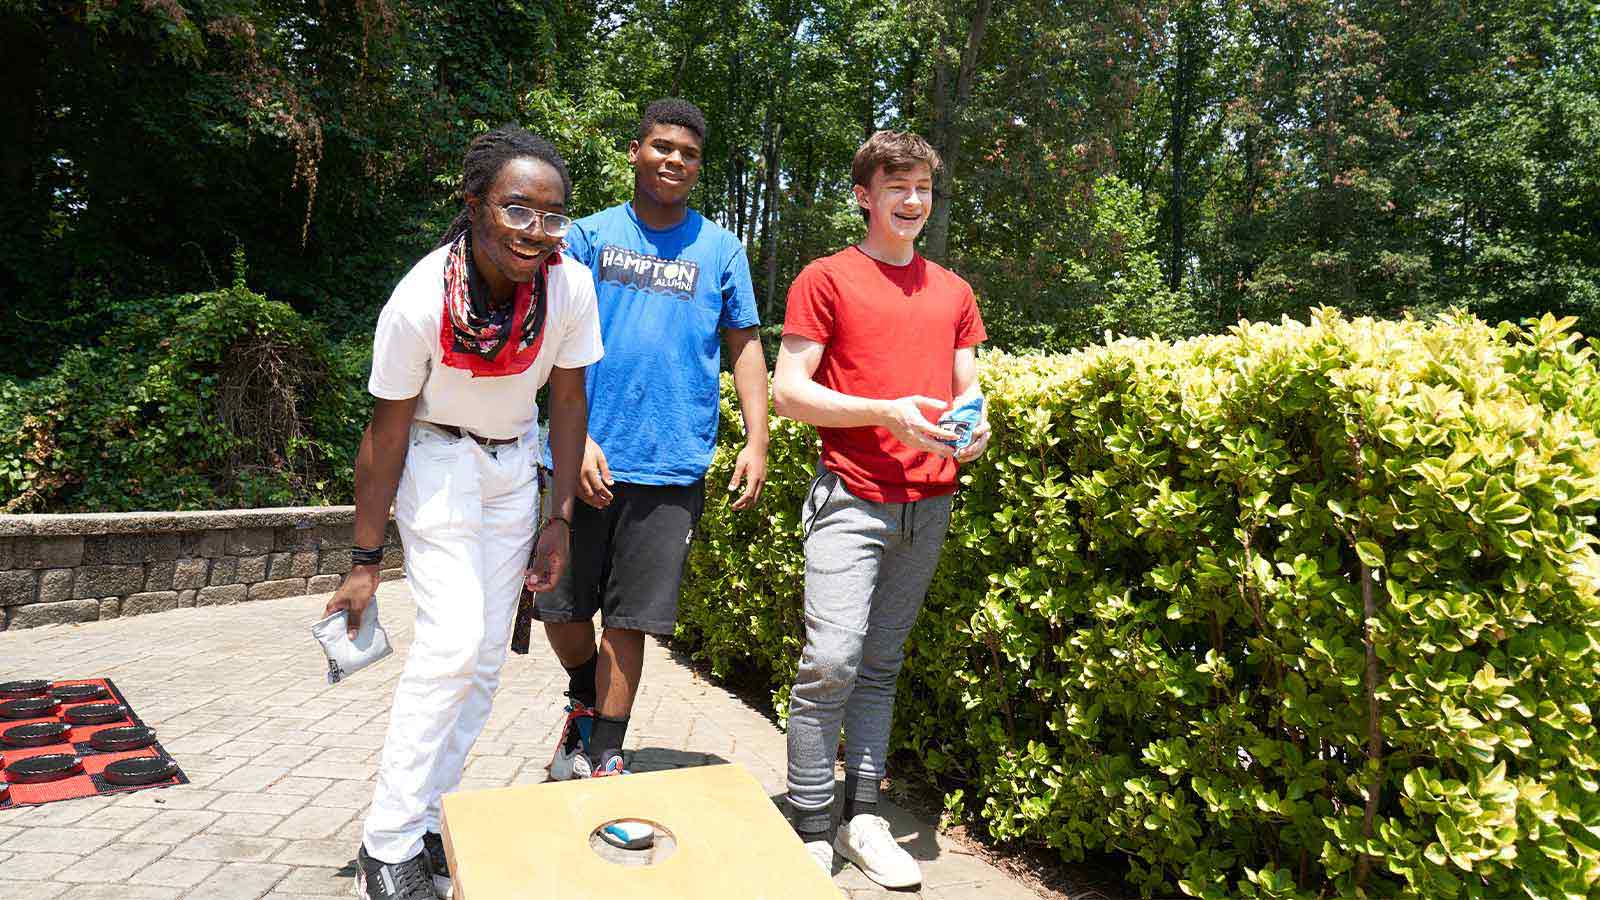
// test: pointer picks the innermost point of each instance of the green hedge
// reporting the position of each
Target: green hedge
(195, 401)
(1149, 629)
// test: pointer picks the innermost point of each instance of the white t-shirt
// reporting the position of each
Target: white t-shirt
(406, 353)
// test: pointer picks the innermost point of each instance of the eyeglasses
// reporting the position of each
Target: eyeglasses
(520, 217)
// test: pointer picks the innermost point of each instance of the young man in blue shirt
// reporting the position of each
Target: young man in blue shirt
(671, 287)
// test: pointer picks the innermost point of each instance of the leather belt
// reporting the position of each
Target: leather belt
(453, 431)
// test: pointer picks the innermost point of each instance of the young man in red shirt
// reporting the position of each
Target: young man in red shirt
(876, 339)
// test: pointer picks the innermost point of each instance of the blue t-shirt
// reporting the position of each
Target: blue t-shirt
(664, 298)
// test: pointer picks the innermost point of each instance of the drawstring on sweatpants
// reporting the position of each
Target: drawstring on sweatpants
(812, 522)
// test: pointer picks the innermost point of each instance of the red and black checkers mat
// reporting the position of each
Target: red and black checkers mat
(65, 739)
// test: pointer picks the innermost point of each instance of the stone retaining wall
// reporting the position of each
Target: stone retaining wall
(80, 568)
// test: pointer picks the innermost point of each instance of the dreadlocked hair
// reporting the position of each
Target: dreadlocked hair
(486, 155)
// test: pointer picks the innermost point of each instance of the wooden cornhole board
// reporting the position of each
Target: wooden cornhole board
(532, 842)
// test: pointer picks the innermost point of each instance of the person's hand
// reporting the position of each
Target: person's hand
(750, 469)
(549, 557)
(594, 477)
(353, 596)
(980, 442)
(904, 419)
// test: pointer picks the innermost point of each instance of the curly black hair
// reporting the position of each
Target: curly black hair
(486, 155)
(672, 111)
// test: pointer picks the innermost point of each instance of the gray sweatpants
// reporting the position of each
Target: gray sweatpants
(868, 566)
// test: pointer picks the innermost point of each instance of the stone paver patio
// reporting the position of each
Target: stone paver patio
(282, 763)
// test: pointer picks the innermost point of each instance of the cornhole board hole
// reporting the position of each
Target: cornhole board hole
(718, 835)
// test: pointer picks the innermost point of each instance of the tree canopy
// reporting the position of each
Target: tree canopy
(1161, 167)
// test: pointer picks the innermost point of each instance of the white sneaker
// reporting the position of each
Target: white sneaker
(865, 840)
(822, 852)
(567, 766)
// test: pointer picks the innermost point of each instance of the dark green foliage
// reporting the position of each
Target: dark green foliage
(1147, 631)
(1154, 168)
(196, 401)
(142, 143)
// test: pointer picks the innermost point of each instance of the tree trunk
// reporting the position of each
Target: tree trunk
(908, 89)
(777, 98)
(730, 215)
(735, 218)
(739, 197)
(693, 40)
(1244, 249)
(769, 229)
(810, 176)
(677, 75)
(757, 197)
(948, 111)
(869, 99)
(1180, 101)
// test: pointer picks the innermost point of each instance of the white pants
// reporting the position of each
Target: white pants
(466, 518)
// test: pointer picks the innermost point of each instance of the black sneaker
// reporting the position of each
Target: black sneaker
(408, 880)
(438, 865)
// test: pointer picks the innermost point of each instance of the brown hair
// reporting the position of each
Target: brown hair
(893, 151)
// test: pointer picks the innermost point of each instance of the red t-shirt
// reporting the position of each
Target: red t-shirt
(889, 331)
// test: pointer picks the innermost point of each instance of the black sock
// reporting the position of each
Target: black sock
(813, 825)
(860, 796)
(580, 681)
(607, 735)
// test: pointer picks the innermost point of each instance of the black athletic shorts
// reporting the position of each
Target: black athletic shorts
(627, 559)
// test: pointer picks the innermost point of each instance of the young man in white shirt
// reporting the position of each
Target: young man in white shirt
(465, 341)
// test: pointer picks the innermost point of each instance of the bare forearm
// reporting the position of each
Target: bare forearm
(379, 462)
(797, 396)
(806, 401)
(569, 428)
(750, 381)
(965, 375)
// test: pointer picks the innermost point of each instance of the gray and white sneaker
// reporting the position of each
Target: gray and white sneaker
(866, 841)
(438, 865)
(571, 759)
(377, 880)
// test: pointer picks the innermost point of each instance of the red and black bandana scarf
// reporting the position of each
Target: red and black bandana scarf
(491, 342)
